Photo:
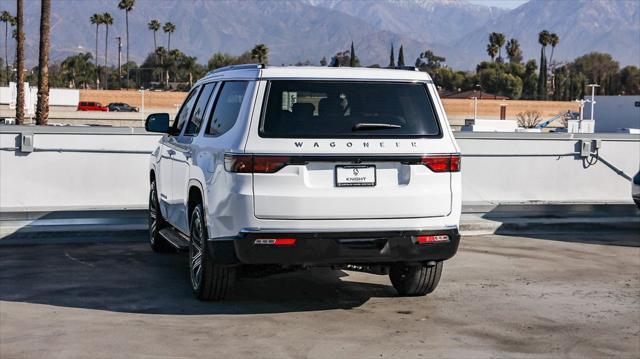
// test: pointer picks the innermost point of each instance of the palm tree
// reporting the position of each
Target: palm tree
(544, 37)
(8, 19)
(96, 19)
(554, 40)
(513, 51)
(260, 53)
(499, 40)
(107, 20)
(20, 63)
(127, 5)
(169, 28)
(401, 56)
(42, 108)
(492, 51)
(392, 61)
(154, 25)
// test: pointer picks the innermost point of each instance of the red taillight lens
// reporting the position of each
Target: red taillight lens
(431, 239)
(439, 163)
(254, 164)
(269, 164)
(238, 163)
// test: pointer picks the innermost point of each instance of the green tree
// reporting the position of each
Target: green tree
(42, 106)
(544, 37)
(401, 56)
(392, 61)
(220, 59)
(20, 63)
(96, 19)
(514, 52)
(630, 80)
(429, 62)
(154, 25)
(127, 6)
(107, 20)
(78, 71)
(8, 19)
(498, 40)
(260, 53)
(352, 56)
(530, 80)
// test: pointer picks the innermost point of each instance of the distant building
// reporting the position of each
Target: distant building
(481, 95)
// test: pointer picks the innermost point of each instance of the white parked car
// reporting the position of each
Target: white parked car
(289, 167)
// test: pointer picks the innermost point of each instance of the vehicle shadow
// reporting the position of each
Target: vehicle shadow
(129, 277)
(576, 223)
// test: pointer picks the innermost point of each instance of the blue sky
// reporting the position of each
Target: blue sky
(509, 4)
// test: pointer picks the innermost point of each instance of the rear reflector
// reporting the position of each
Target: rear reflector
(431, 239)
(254, 164)
(276, 241)
(442, 163)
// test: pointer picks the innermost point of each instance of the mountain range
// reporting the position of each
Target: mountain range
(297, 31)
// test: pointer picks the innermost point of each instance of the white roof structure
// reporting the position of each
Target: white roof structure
(257, 71)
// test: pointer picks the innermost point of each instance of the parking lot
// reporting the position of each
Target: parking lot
(569, 295)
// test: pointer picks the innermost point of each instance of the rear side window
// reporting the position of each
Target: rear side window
(193, 127)
(227, 107)
(185, 111)
(346, 109)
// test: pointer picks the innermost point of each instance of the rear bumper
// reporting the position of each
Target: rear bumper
(334, 248)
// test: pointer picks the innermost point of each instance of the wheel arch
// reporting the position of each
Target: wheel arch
(195, 195)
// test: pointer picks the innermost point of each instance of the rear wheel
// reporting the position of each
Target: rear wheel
(415, 280)
(156, 222)
(209, 281)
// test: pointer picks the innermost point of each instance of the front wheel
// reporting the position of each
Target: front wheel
(209, 281)
(415, 280)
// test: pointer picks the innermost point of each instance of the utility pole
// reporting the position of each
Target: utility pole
(119, 60)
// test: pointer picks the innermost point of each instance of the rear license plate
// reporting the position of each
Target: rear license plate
(356, 176)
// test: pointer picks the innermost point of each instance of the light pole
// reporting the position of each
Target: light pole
(142, 106)
(119, 60)
(593, 97)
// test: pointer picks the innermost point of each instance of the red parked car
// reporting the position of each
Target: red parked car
(91, 106)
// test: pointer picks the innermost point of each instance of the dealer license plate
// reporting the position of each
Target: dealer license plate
(356, 176)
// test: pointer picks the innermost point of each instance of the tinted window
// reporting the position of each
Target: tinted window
(227, 107)
(185, 111)
(193, 127)
(341, 109)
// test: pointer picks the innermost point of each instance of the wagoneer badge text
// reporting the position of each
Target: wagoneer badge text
(364, 144)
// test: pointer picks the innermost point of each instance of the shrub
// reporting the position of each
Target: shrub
(529, 119)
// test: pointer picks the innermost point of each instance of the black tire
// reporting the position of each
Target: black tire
(637, 201)
(416, 280)
(156, 222)
(209, 281)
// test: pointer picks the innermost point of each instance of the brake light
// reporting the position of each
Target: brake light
(254, 164)
(431, 239)
(442, 163)
(282, 242)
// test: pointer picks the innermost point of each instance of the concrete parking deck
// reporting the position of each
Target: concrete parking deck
(534, 296)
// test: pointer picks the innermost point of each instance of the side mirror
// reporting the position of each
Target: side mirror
(157, 122)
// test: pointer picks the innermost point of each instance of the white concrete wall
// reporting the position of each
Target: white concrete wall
(613, 113)
(88, 168)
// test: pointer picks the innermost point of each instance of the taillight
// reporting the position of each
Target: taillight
(254, 164)
(442, 163)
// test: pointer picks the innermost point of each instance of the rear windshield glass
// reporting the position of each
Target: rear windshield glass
(344, 109)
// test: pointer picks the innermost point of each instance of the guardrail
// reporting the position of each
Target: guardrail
(61, 168)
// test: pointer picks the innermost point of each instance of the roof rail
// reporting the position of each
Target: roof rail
(408, 68)
(236, 67)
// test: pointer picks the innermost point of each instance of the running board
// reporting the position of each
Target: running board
(175, 238)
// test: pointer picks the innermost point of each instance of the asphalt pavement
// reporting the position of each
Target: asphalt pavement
(538, 295)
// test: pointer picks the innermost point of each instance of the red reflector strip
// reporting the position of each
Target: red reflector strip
(276, 241)
(431, 239)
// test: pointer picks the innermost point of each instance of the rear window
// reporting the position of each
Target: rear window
(346, 109)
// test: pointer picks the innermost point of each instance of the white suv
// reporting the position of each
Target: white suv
(289, 167)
